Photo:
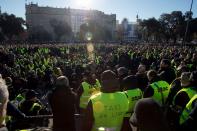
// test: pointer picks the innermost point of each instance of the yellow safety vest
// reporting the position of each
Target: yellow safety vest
(35, 105)
(8, 118)
(88, 91)
(133, 96)
(187, 110)
(109, 110)
(190, 92)
(161, 91)
(18, 100)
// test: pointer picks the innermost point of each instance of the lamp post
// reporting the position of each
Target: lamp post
(190, 13)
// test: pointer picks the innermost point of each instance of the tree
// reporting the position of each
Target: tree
(173, 25)
(192, 31)
(188, 15)
(99, 32)
(178, 22)
(151, 29)
(61, 29)
(11, 26)
(40, 34)
(168, 27)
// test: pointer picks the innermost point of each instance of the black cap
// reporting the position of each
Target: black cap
(109, 81)
(62, 81)
(130, 82)
(30, 94)
(166, 62)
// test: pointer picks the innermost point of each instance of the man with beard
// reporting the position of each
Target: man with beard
(166, 72)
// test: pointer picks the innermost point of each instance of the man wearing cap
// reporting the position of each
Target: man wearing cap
(181, 99)
(186, 96)
(186, 93)
(88, 87)
(31, 105)
(134, 93)
(132, 90)
(106, 110)
(63, 103)
(157, 89)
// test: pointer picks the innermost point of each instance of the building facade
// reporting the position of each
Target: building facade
(129, 30)
(37, 17)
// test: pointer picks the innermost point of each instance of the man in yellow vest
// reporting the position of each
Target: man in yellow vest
(31, 105)
(134, 93)
(180, 100)
(106, 110)
(185, 94)
(185, 99)
(132, 90)
(88, 87)
(188, 109)
(188, 117)
(158, 89)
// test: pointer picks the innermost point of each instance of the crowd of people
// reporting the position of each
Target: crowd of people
(98, 87)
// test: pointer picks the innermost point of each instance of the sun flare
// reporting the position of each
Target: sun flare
(83, 3)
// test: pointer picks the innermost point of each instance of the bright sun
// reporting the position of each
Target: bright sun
(83, 3)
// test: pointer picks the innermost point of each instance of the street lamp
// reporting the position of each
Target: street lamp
(190, 13)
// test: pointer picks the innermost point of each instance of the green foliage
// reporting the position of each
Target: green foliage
(61, 29)
(10, 26)
(168, 27)
(99, 32)
(40, 34)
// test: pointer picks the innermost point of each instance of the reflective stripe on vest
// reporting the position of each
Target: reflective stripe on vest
(88, 91)
(109, 110)
(106, 129)
(8, 118)
(161, 91)
(133, 96)
(35, 105)
(19, 98)
(189, 90)
(187, 110)
(189, 66)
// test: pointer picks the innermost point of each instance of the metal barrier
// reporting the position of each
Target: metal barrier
(78, 121)
(39, 116)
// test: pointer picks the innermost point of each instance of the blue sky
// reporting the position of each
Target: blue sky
(122, 8)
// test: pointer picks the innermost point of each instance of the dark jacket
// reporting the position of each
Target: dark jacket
(167, 74)
(142, 80)
(62, 102)
(27, 105)
(149, 91)
(14, 112)
(174, 89)
(190, 124)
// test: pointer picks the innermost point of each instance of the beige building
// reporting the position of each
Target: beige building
(37, 16)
